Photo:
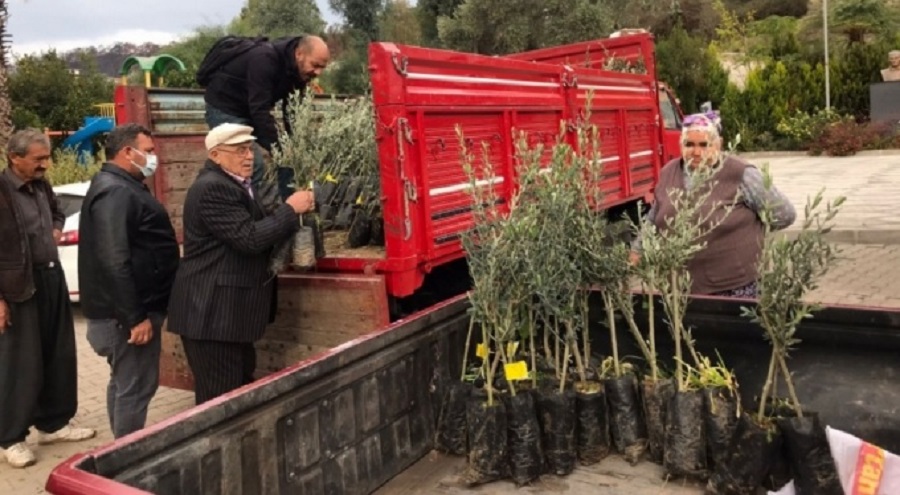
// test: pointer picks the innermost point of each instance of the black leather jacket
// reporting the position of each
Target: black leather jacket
(249, 86)
(127, 250)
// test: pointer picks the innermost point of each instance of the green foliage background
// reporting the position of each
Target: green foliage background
(780, 40)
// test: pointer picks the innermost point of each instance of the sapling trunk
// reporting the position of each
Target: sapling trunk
(489, 379)
(651, 331)
(562, 380)
(689, 344)
(556, 345)
(611, 324)
(623, 302)
(676, 330)
(579, 364)
(465, 360)
(770, 377)
(548, 353)
(790, 384)
(532, 347)
(585, 329)
(505, 360)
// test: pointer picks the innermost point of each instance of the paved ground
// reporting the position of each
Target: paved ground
(867, 274)
(93, 375)
(871, 183)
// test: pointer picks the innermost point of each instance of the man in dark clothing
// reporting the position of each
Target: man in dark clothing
(224, 294)
(127, 259)
(38, 372)
(246, 89)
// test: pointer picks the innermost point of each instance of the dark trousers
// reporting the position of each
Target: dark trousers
(38, 372)
(284, 175)
(219, 367)
(134, 371)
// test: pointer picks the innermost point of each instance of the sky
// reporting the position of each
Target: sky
(39, 25)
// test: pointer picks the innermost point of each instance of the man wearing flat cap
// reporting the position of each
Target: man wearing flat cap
(223, 294)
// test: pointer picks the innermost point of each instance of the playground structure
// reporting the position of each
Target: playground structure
(82, 140)
(151, 66)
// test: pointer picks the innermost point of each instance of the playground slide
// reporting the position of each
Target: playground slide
(81, 140)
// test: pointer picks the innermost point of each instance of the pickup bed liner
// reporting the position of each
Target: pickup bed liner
(438, 474)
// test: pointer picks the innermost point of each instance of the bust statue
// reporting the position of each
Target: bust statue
(892, 73)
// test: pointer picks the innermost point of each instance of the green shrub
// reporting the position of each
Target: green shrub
(846, 137)
(803, 128)
(67, 170)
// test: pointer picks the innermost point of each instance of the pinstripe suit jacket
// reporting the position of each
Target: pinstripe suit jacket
(223, 290)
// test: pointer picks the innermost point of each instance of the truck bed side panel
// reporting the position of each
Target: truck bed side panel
(341, 423)
(434, 104)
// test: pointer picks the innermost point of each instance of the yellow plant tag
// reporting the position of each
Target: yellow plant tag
(511, 348)
(516, 371)
(359, 200)
(330, 178)
(481, 351)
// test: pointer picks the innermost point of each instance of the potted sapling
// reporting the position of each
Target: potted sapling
(609, 270)
(526, 457)
(590, 241)
(485, 411)
(656, 389)
(331, 147)
(496, 248)
(555, 202)
(669, 249)
(722, 408)
(789, 268)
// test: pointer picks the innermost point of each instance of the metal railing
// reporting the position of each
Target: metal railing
(107, 110)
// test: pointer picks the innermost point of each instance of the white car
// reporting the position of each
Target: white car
(70, 198)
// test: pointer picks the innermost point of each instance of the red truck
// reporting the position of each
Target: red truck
(420, 95)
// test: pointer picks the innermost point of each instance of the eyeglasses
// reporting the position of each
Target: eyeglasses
(239, 150)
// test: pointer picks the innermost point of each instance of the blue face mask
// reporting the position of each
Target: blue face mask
(151, 162)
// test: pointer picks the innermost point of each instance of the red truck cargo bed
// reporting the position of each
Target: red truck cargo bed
(421, 96)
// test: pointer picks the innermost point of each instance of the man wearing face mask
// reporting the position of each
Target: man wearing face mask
(244, 90)
(127, 259)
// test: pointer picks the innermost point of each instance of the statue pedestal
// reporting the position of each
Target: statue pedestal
(884, 101)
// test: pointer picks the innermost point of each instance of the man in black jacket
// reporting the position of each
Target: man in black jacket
(38, 371)
(127, 259)
(246, 89)
(223, 294)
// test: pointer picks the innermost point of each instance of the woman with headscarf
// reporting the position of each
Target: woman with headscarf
(727, 265)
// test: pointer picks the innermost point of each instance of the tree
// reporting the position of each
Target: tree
(585, 20)
(191, 51)
(45, 93)
(399, 23)
(693, 71)
(347, 75)
(6, 126)
(498, 27)
(857, 20)
(277, 18)
(360, 15)
(428, 12)
(767, 8)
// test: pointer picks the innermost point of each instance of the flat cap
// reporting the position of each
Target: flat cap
(229, 134)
